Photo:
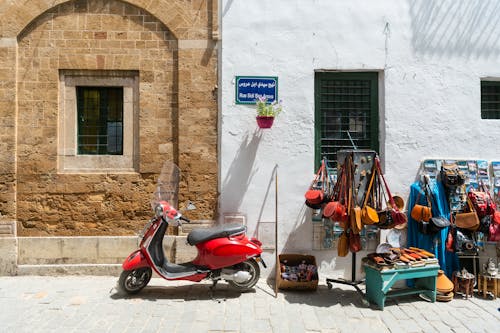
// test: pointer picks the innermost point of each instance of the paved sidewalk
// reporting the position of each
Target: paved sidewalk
(90, 304)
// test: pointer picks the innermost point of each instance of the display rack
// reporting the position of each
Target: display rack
(363, 161)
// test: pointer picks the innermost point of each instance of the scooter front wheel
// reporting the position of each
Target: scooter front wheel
(251, 266)
(132, 281)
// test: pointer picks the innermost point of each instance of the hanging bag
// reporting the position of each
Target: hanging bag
(467, 220)
(421, 212)
(335, 209)
(355, 216)
(451, 176)
(368, 214)
(343, 245)
(354, 242)
(482, 201)
(494, 234)
(315, 195)
(397, 215)
(383, 212)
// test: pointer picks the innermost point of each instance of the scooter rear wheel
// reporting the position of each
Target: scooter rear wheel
(131, 282)
(252, 267)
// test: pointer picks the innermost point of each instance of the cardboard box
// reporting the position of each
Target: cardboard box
(295, 260)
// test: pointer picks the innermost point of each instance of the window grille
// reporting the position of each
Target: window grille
(100, 120)
(346, 109)
(490, 99)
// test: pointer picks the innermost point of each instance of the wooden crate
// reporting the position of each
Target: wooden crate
(295, 260)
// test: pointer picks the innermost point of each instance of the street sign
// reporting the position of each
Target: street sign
(250, 88)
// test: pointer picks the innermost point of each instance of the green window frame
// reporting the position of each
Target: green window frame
(490, 99)
(100, 120)
(346, 107)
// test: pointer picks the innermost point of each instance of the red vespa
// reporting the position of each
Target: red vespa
(224, 252)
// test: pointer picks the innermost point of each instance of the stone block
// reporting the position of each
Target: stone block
(7, 228)
(8, 259)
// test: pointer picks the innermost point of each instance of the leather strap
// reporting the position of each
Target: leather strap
(368, 191)
(391, 199)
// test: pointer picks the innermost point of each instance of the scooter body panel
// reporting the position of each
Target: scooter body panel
(135, 260)
(224, 252)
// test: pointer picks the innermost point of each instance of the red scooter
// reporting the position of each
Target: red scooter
(224, 252)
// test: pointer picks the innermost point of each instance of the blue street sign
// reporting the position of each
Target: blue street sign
(250, 88)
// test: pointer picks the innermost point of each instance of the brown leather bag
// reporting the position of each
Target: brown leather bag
(421, 212)
(343, 245)
(354, 243)
(467, 220)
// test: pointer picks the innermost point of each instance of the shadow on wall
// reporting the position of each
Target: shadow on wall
(240, 172)
(463, 28)
(300, 233)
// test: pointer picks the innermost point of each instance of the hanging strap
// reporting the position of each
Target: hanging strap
(426, 196)
(368, 192)
(391, 199)
(469, 203)
(318, 175)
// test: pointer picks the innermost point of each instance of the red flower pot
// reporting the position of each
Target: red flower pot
(265, 121)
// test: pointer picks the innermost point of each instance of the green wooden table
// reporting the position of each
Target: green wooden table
(379, 282)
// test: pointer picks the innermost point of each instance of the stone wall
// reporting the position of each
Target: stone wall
(170, 46)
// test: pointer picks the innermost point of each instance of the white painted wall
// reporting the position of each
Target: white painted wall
(431, 56)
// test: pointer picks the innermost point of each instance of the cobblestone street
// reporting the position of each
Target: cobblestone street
(91, 304)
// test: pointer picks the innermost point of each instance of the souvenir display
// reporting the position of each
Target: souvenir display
(354, 198)
(450, 208)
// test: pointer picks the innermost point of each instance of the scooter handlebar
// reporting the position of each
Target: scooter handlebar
(184, 219)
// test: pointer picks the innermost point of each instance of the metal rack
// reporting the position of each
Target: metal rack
(363, 160)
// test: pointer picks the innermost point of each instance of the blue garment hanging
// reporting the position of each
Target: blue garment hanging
(433, 243)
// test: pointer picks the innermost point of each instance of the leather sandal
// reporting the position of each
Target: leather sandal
(404, 255)
(404, 259)
(376, 258)
(422, 252)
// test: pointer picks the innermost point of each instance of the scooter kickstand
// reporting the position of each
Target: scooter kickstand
(212, 289)
(214, 284)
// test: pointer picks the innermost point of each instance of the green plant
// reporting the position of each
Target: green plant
(268, 109)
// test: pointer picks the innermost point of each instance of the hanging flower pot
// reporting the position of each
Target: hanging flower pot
(265, 121)
(266, 112)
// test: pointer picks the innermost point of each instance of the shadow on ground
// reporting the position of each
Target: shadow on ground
(185, 292)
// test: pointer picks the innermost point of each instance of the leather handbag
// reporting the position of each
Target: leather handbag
(315, 195)
(435, 225)
(398, 217)
(354, 243)
(335, 209)
(343, 245)
(482, 201)
(494, 234)
(451, 176)
(420, 212)
(467, 220)
(450, 239)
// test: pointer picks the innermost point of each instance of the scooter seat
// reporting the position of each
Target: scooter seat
(225, 230)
